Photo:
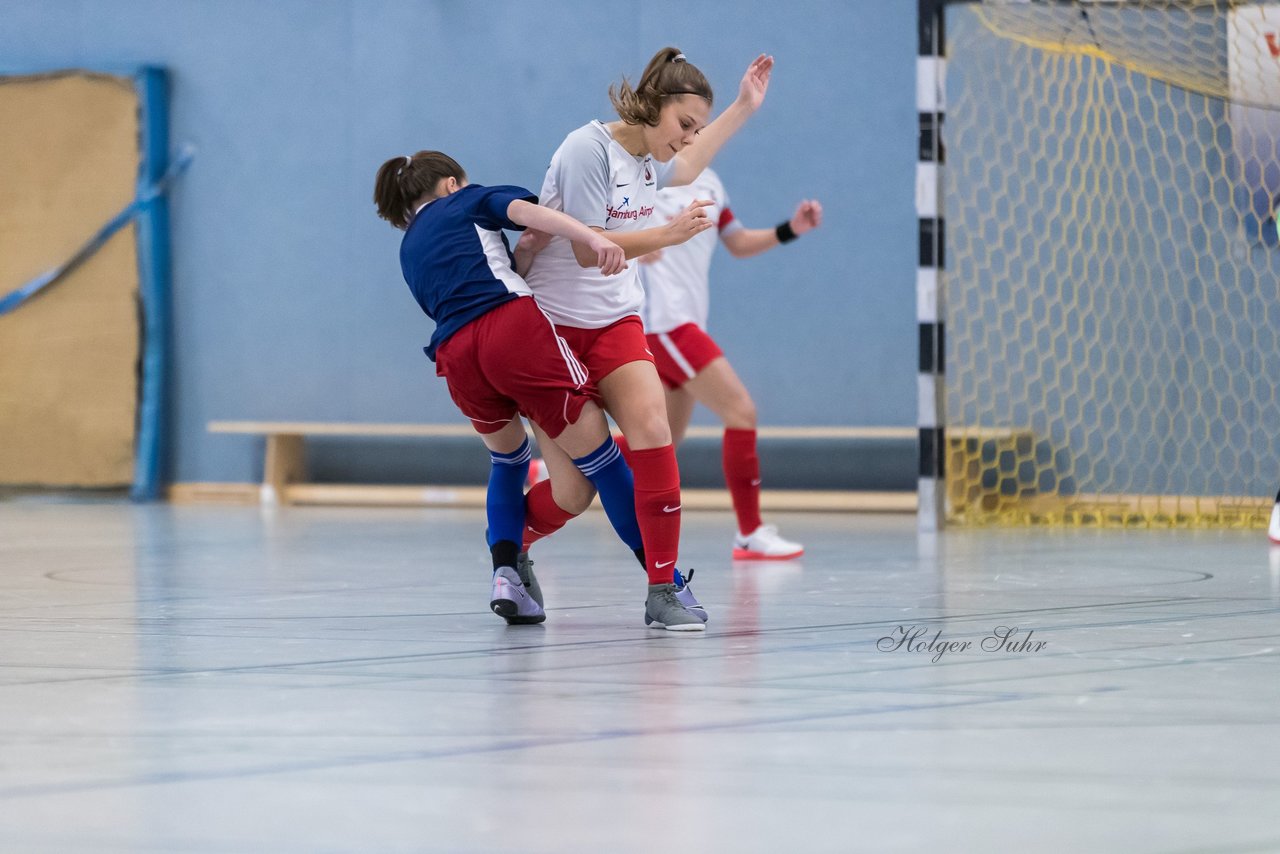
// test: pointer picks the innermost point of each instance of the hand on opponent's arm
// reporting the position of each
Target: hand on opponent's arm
(531, 242)
(591, 248)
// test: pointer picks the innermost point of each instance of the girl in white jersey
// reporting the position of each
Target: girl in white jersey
(607, 176)
(692, 366)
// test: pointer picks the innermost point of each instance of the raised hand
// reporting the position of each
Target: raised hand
(755, 83)
(808, 216)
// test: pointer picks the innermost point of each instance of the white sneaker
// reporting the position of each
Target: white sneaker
(764, 543)
(1273, 530)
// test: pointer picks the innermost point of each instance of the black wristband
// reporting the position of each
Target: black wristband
(785, 233)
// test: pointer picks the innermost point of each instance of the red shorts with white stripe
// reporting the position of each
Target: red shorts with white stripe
(509, 361)
(605, 350)
(682, 353)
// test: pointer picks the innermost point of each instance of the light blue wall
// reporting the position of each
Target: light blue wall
(288, 298)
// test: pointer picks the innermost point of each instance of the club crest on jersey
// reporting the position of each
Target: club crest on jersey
(648, 175)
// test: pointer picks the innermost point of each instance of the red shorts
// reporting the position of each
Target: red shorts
(509, 361)
(605, 350)
(682, 353)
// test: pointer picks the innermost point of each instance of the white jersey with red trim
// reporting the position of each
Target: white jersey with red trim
(677, 286)
(596, 181)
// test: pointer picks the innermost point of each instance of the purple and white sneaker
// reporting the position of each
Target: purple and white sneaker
(511, 600)
(684, 595)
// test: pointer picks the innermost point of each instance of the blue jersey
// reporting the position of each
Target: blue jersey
(457, 260)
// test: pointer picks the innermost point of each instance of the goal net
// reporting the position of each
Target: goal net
(1112, 281)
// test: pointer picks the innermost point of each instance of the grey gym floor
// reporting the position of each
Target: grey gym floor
(219, 679)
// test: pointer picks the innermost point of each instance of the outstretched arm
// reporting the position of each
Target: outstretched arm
(690, 162)
(590, 247)
(690, 221)
(745, 242)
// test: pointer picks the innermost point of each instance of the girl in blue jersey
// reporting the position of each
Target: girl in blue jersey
(460, 269)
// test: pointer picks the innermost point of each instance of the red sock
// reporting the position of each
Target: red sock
(658, 509)
(742, 476)
(542, 516)
(621, 442)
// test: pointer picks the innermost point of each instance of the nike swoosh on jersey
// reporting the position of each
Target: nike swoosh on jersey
(628, 184)
(670, 509)
(662, 565)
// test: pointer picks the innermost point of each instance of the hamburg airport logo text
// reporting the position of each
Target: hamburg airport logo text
(618, 213)
(1006, 639)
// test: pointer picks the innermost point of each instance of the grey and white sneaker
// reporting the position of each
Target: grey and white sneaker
(524, 568)
(662, 610)
(511, 601)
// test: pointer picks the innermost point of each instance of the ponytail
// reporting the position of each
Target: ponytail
(667, 75)
(404, 182)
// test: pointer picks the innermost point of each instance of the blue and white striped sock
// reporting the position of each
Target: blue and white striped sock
(504, 502)
(611, 476)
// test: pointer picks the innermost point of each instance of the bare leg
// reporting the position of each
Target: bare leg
(570, 489)
(680, 404)
(506, 440)
(635, 398)
(718, 388)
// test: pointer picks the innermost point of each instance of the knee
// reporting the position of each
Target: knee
(573, 495)
(650, 430)
(741, 414)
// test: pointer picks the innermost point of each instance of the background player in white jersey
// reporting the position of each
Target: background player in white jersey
(607, 176)
(692, 366)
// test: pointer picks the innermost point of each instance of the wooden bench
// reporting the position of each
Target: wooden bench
(284, 473)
